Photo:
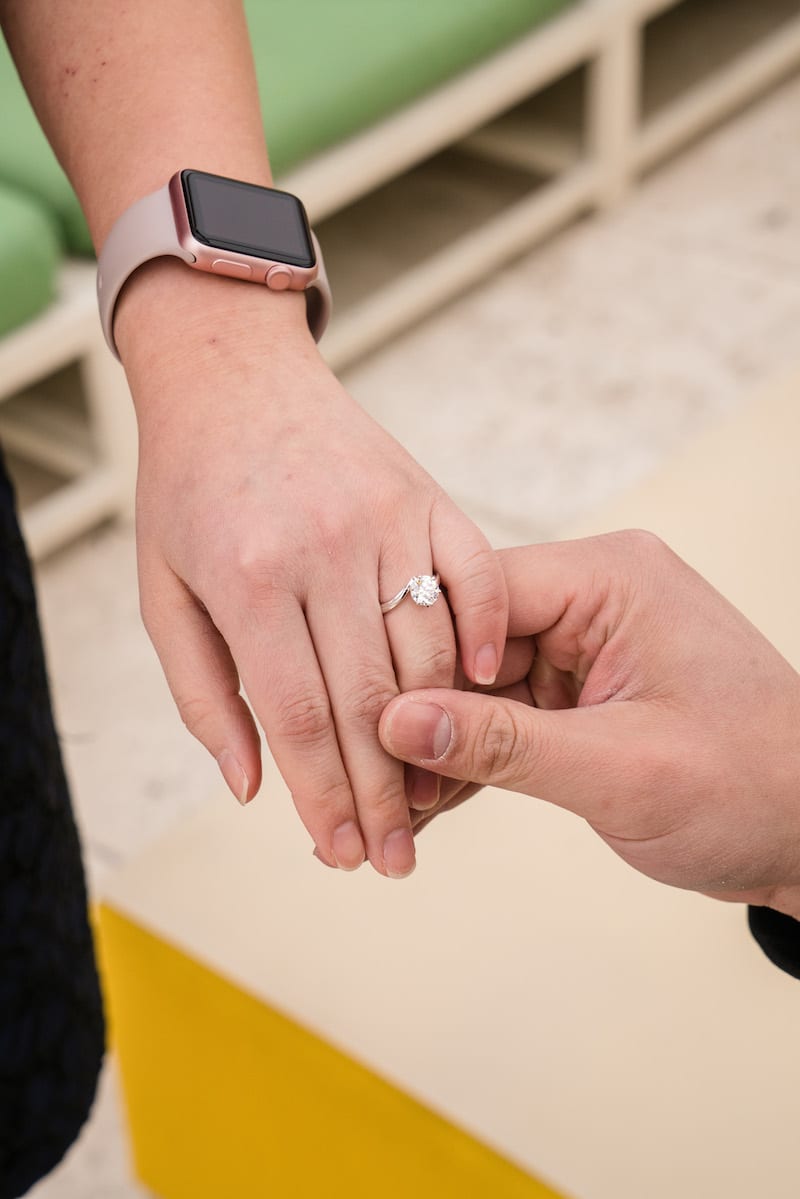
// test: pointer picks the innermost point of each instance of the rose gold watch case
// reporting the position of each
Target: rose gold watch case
(277, 275)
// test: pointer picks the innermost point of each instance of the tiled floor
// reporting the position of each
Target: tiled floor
(532, 400)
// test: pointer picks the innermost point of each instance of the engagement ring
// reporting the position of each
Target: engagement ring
(423, 589)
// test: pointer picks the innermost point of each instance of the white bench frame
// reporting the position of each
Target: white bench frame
(605, 36)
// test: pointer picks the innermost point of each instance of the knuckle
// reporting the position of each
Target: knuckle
(497, 744)
(333, 797)
(387, 804)
(642, 543)
(260, 578)
(435, 665)
(198, 714)
(481, 582)
(305, 720)
(366, 699)
(324, 802)
(256, 568)
(331, 529)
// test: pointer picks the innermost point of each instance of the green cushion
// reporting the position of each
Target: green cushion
(326, 69)
(329, 68)
(29, 259)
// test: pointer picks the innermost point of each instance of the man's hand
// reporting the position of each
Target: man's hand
(653, 709)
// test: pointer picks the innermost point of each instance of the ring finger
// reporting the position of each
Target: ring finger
(423, 647)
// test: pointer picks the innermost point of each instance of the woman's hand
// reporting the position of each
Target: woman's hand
(274, 516)
(653, 709)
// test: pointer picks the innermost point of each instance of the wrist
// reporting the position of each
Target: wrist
(164, 302)
(171, 320)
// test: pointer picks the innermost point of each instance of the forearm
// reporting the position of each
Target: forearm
(127, 95)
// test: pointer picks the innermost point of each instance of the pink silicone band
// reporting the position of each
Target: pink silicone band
(145, 230)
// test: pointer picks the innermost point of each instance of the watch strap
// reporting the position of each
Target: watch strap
(145, 230)
(319, 300)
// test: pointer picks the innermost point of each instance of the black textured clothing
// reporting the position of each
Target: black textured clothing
(51, 1020)
(778, 936)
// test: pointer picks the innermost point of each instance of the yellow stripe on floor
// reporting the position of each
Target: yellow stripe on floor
(228, 1099)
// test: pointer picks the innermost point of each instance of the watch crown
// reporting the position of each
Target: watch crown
(279, 278)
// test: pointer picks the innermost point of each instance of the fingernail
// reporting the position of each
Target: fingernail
(234, 776)
(419, 731)
(347, 846)
(422, 788)
(486, 665)
(399, 857)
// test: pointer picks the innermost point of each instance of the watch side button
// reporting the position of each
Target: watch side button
(234, 270)
(279, 278)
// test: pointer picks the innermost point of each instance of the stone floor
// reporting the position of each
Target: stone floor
(563, 381)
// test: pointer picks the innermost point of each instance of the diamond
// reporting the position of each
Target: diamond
(424, 589)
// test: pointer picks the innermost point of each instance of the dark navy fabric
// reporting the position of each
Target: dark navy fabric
(779, 937)
(51, 1020)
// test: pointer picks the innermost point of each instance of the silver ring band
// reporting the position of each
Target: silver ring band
(423, 589)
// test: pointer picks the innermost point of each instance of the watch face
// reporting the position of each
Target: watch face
(243, 217)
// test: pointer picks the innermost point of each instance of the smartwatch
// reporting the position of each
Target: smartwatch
(223, 226)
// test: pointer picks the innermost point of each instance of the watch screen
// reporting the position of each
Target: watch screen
(253, 220)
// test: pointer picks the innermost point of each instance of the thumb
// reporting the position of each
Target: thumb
(582, 759)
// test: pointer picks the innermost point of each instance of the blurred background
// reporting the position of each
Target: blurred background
(559, 256)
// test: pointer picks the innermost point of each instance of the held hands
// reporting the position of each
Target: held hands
(652, 708)
(273, 517)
